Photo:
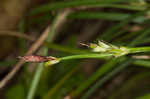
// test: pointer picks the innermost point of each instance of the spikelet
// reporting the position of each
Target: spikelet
(36, 58)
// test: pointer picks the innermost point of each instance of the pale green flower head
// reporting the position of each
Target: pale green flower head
(109, 48)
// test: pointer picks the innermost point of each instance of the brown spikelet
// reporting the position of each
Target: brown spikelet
(36, 58)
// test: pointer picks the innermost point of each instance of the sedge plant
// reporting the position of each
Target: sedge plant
(99, 50)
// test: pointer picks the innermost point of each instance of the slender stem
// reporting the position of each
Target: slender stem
(102, 55)
(85, 56)
(35, 81)
(139, 49)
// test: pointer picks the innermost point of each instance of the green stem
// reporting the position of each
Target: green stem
(139, 49)
(35, 81)
(112, 52)
(85, 56)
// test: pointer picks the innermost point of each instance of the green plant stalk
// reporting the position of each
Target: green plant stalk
(82, 56)
(130, 50)
(85, 56)
(106, 54)
(111, 52)
(139, 49)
